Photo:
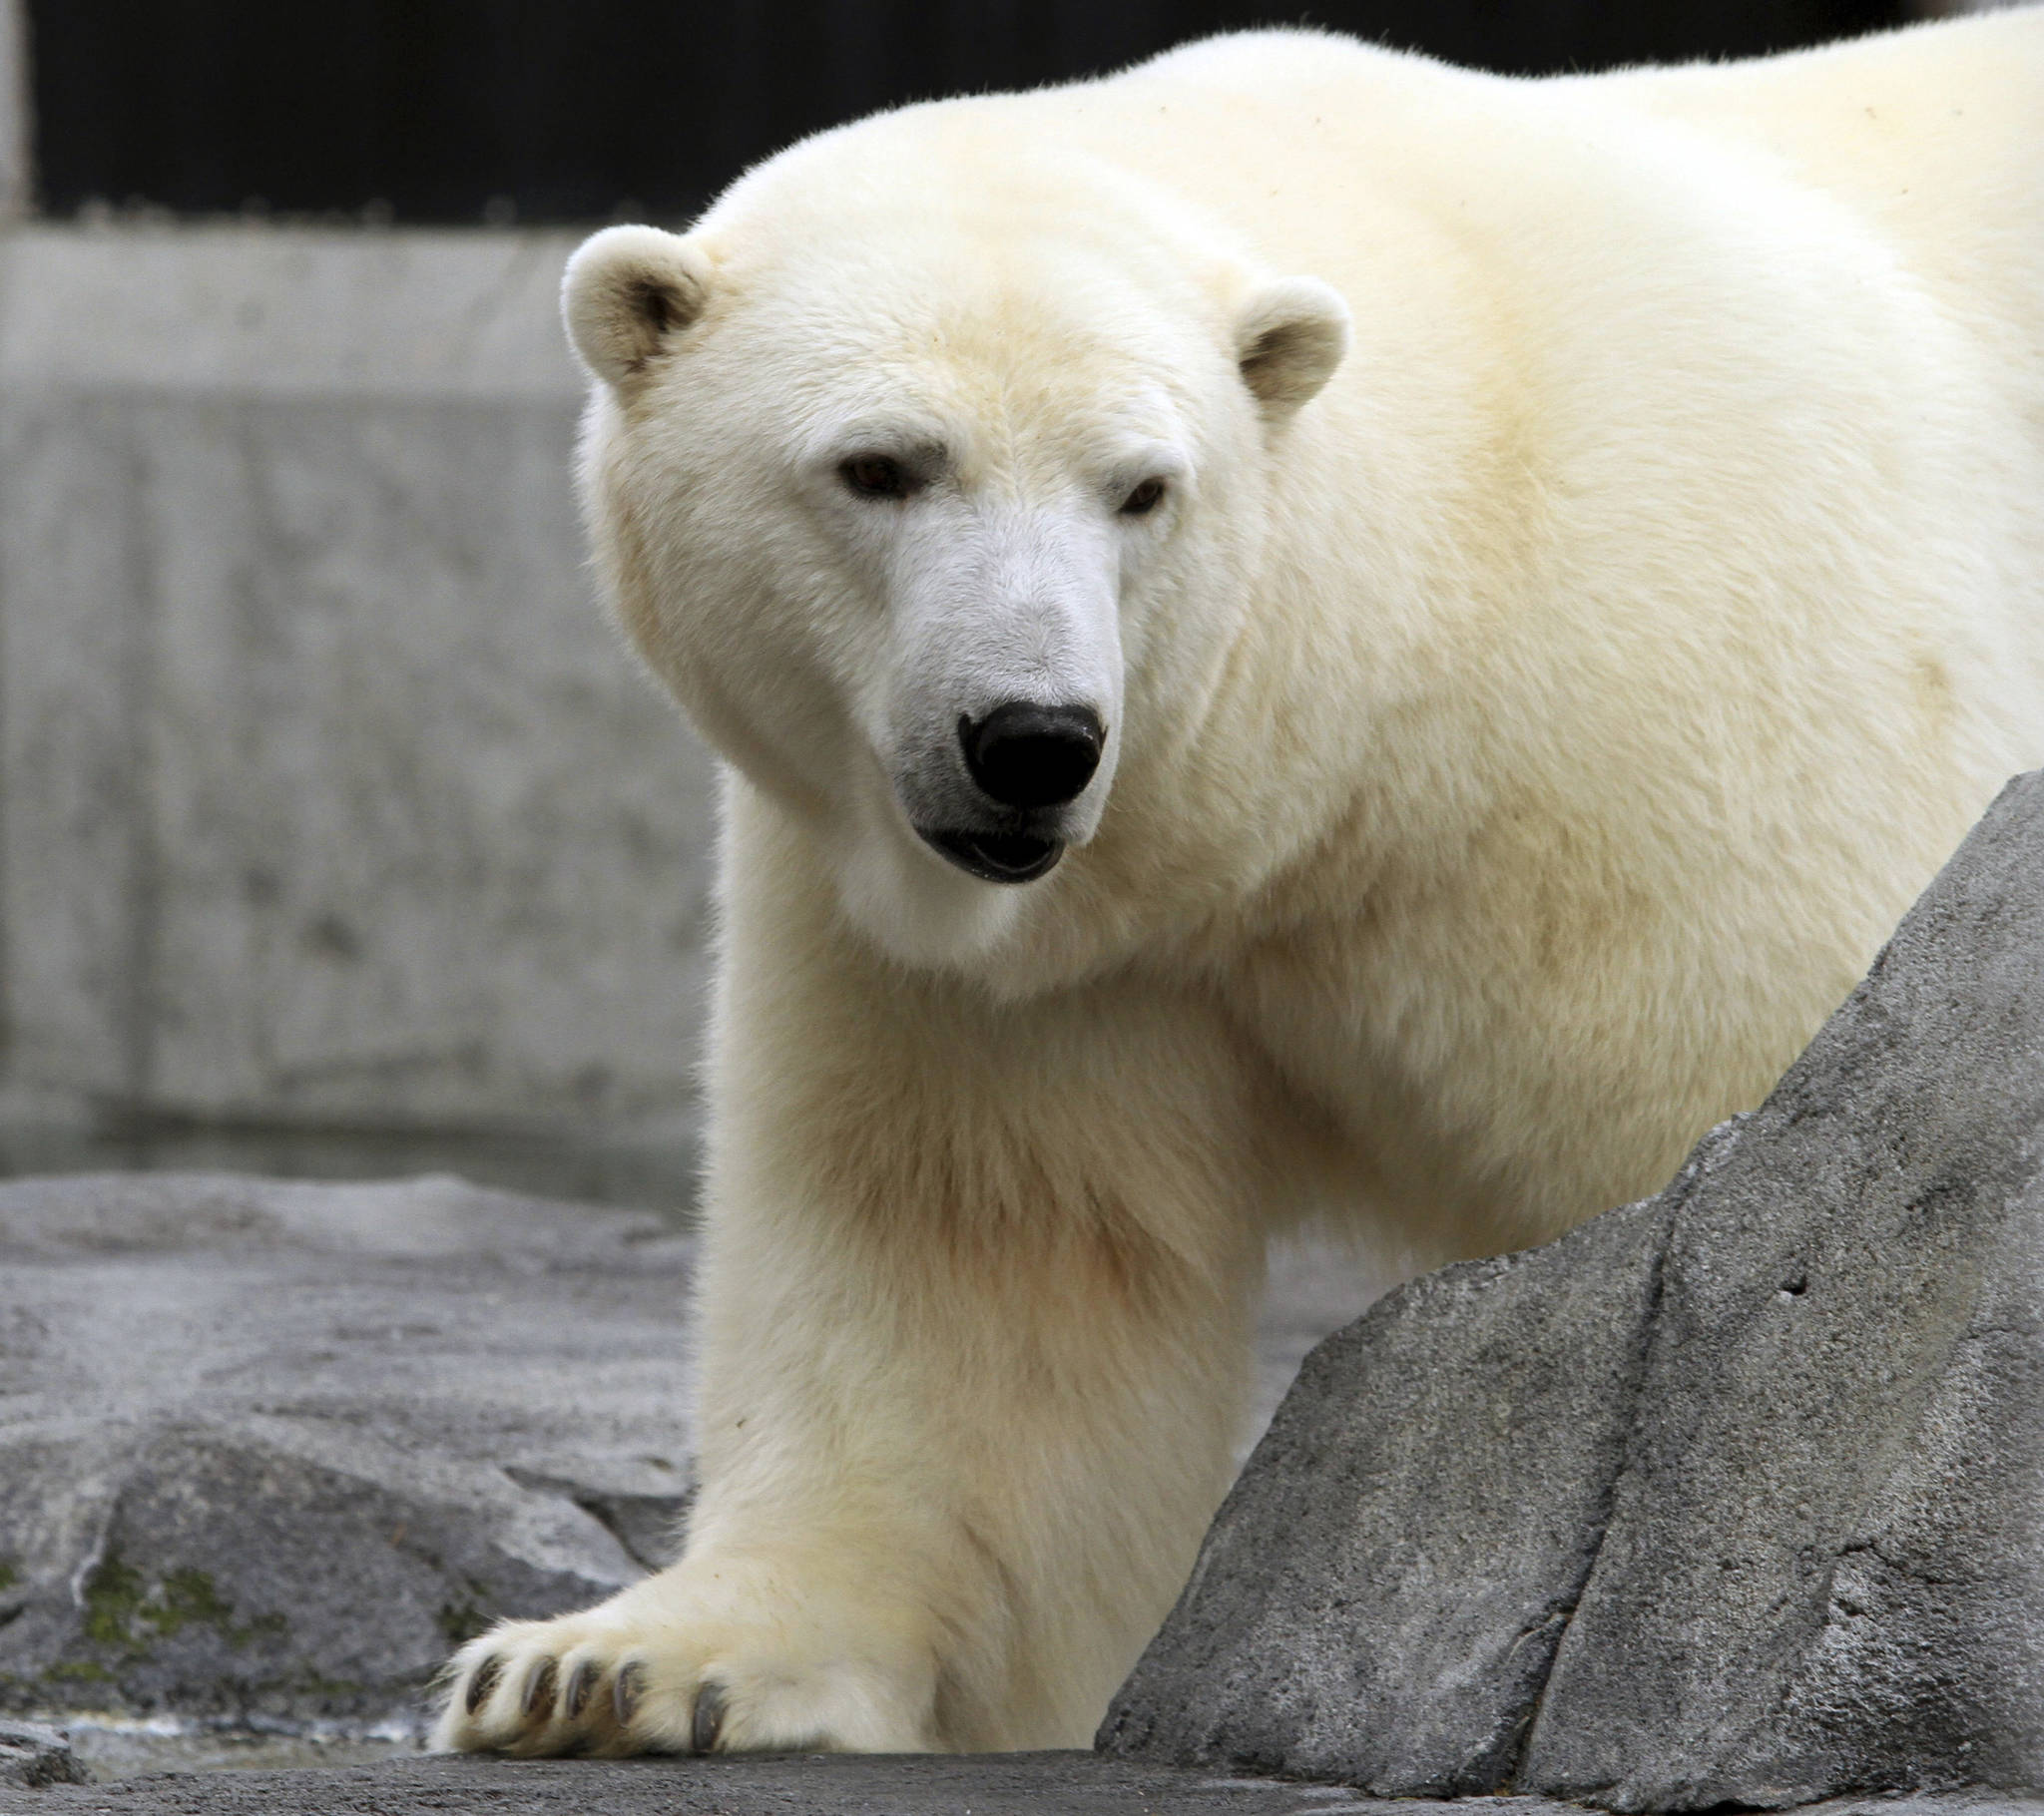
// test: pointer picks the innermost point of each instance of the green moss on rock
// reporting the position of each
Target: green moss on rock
(124, 1613)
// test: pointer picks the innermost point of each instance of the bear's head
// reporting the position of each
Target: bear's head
(930, 475)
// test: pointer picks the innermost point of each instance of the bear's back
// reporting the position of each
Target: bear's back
(1934, 134)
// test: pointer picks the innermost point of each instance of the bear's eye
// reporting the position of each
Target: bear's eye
(1144, 499)
(876, 476)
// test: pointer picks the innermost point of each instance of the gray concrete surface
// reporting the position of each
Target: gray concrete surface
(1038, 1784)
(327, 795)
(1733, 1497)
(1011, 1784)
(657, 1172)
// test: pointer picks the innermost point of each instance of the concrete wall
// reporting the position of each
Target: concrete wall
(15, 187)
(327, 795)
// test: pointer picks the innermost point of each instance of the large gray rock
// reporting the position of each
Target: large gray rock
(1735, 1496)
(1408, 1541)
(31, 1756)
(269, 1449)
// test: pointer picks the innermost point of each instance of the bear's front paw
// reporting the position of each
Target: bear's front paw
(664, 1667)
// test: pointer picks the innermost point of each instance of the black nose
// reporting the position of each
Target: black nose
(1025, 755)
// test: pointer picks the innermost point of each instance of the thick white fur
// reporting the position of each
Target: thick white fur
(1517, 749)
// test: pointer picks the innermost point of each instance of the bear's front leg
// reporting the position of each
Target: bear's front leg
(974, 1318)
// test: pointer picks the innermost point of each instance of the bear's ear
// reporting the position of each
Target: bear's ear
(1288, 339)
(626, 290)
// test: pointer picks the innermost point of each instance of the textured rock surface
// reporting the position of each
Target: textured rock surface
(269, 1448)
(31, 1756)
(1825, 1560)
(1792, 1544)
(1438, 1476)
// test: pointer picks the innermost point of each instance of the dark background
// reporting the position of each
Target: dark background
(586, 109)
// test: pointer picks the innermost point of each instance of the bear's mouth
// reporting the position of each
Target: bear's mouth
(997, 857)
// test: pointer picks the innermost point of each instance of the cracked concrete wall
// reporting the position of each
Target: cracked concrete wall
(327, 795)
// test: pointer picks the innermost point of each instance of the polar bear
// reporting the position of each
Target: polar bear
(1294, 634)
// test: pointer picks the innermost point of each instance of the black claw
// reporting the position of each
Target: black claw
(580, 1683)
(539, 1687)
(482, 1682)
(625, 1688)
(708, 1720)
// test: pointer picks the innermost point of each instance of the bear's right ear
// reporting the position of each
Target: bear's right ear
(1288, 339)
(626, 290)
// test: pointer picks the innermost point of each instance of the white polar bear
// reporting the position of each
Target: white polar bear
(1297, 632)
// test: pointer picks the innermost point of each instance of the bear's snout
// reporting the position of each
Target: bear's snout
(1025, 755)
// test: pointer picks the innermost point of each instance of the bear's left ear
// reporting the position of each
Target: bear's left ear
(626, 290)
(1288, 339)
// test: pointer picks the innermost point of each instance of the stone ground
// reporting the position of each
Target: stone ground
(268, 1448)
(1015, 1784)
